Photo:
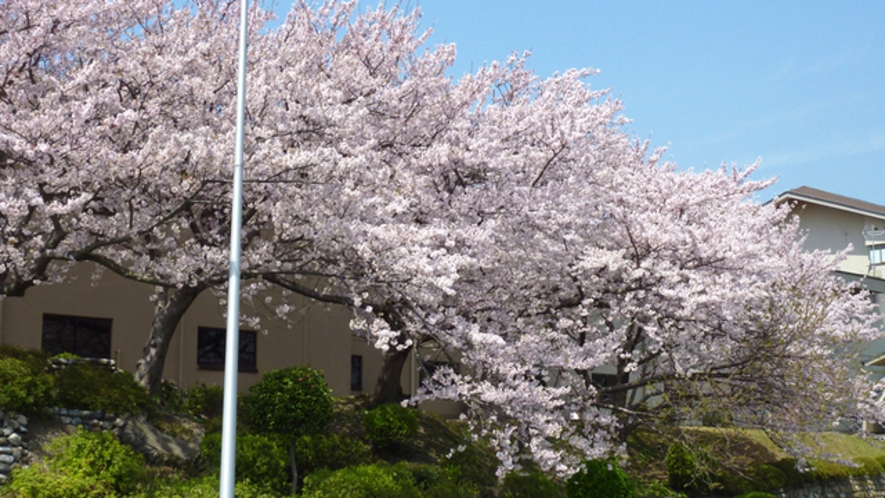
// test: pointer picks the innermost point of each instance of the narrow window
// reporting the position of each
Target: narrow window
(356, 373)
(80, 335)
(211, 345)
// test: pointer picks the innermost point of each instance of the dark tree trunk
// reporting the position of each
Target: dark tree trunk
(388, 388)
(171, 304)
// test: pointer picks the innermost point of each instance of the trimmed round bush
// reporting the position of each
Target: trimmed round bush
(23, 388)
(600, 479)
(390, 425)
(88, 386)
(530, 485)
(292, 402)
(260, 460)
(83, 464)
(364, 481)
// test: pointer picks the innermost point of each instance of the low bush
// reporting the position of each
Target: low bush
(681, 467)
(260, 459)
(204, 401)
(475, 463)
(203, 487)
(390, 425)
(364, 481)
(83, 464)
(89, 386)
(330, 451)
(38, 360)
(530, 485)
(436, 482)
(600, 479)
(23, 387)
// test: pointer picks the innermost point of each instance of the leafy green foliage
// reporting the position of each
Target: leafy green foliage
(292, 402)
(260, 459)
(756, 494)
(681, 467)
(473, 462)
(204, 401)
(88, 386)
(364, 481)
(38, 360)
(203, 487)
(23, 387)
(390, 425)
(600, 479)
(330, 451)
(83, 464)
(530, 485)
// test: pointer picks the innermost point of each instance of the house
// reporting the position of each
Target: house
(832, 222)
(111, 318)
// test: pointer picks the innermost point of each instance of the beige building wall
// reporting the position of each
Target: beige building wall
(317, 334)
(834, 229)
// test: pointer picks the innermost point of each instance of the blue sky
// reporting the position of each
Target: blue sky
(799, 84)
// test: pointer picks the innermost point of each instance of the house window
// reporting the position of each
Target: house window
(211, 344)
(602, 381)
(80, 335)
(356, 373)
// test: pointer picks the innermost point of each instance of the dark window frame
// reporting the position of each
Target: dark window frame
(356, 372)
(211, 343)
(87, 337)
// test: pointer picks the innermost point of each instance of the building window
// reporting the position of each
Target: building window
(602, 381)
(80, 335)
(210, 349)
(356, 373)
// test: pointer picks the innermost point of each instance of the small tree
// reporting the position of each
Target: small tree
(291, 402)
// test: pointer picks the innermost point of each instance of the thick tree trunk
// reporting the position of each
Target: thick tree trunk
(388, 388)
(171, 305)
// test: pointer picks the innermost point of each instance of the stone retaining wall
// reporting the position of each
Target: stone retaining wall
(855, 487)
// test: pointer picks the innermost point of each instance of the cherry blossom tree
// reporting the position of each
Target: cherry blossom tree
(586, 287)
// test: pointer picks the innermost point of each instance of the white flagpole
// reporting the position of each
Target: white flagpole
(231, 356)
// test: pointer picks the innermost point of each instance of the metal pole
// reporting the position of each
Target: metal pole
(232, 349)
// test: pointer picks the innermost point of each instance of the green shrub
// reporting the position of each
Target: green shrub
(203, 487)
(22, 388)
(365, 481)
(434, 481)
(38, 360)
(330, 451)
(794, 478)
(260, 460)
(534, 484)
(390, 425)
(681, 467)
(82, 464)
(600, 479)
(474, 463)
(868, 466)
(768, 476)
(89, 386)
(756, 494)
(206, 401)
(292, 402)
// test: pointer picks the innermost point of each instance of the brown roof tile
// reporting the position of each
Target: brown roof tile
(813, 194)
